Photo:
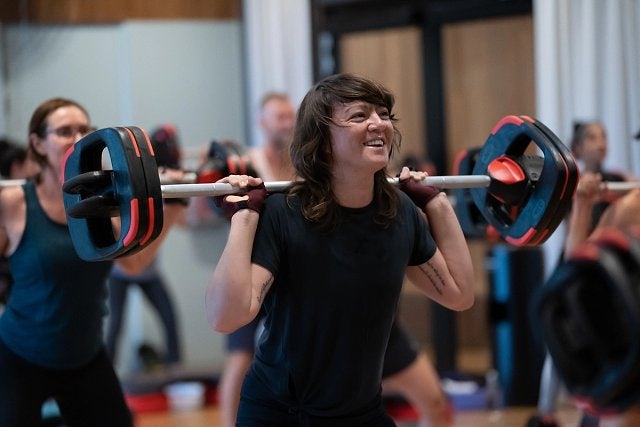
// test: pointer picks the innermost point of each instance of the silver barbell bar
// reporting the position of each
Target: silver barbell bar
(187, 178)
(443, 182)
(220, 189)
(620, 186)
(187, 187)
(10, 182)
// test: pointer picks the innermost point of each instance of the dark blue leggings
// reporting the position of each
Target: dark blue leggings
(156, 292)
(87, 396)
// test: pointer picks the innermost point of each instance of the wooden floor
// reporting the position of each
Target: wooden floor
(470, 361)
(567, 416)
(510, 417)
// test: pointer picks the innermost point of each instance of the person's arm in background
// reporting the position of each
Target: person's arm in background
(579, 225)
(624, 213)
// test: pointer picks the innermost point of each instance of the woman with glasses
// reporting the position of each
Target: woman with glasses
(51, 343)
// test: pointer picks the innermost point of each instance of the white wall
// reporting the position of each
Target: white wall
(136, 73)
(189, 73)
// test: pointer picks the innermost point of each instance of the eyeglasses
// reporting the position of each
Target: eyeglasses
(71, 131)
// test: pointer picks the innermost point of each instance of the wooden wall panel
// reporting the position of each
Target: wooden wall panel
(488, 74)
(108, 11)
(393, 57)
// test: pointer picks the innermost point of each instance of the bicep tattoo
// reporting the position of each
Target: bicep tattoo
(433, 275)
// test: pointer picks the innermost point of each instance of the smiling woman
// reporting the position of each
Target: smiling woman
(369, 234)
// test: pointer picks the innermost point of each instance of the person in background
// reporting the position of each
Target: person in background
(273, 163)
(409, 372)
(51, 332)
(589, 145)
(327, 261)
(276, 121)
(166, 147)
(14, 162)
(622, 213)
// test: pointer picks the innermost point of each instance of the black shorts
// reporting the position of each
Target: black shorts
(401, 351)
(244, 339)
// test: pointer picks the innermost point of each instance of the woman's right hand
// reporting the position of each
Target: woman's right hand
(253, 199)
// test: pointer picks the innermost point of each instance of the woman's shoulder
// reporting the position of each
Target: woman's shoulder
(11, 197)
(409, 209)
(280, 201)
(405, 201)
(282, 205)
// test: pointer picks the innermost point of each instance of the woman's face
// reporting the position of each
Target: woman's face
(65, 126)
(361, 136)
(593, 148)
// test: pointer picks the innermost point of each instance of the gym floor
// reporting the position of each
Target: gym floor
(511, 417)
(567, 416)
(473, 361)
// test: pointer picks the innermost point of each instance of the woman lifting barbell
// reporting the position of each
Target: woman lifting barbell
(51, 341)
(328, 262)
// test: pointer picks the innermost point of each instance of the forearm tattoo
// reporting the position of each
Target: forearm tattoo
(264, 288)
(434, 277)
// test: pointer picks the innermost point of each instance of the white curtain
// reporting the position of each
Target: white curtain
(588, 67)
(278, 52)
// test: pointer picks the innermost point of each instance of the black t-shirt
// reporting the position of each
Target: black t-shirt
(331, 306)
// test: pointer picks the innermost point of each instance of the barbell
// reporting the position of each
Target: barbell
(188, 185)
(523, 196)
(220, 188)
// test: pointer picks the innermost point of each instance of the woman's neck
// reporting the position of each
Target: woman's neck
(353, 191)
